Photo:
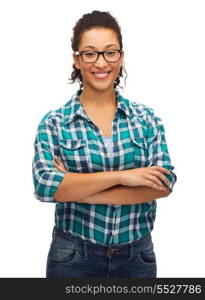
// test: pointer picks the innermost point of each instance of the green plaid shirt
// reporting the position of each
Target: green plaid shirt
(138, 139)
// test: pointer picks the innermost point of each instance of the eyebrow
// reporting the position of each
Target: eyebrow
(92, 47)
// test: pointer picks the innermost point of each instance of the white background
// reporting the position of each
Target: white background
(164, 57)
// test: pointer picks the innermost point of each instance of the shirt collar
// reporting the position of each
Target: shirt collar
(74, 108)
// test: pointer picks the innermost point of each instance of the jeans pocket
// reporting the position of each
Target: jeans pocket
(62, 250)
(147, 256)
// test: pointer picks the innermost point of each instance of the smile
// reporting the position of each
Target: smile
(102, 75)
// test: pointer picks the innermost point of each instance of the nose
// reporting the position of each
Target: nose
(101, 61)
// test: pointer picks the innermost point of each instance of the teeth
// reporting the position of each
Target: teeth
(101, 75)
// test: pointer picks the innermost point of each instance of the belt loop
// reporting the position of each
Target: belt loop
(85, 250)
(131, 247)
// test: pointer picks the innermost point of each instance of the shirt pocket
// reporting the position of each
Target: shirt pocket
(140, 151)
(74, 155)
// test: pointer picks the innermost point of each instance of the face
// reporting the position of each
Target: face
(99, 39)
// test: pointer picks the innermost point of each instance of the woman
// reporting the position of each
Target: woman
(103, 160)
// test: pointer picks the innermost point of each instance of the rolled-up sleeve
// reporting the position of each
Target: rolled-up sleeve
(158, 154)
(46, 177)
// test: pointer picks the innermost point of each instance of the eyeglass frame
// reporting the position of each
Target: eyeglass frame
(98, 53)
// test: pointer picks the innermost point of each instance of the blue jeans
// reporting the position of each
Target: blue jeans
(73, 257)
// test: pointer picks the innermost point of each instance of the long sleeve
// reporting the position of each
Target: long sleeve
(46, 177)
(158, 154)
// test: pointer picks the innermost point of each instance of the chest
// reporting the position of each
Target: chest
(82, 149)
(102, 119)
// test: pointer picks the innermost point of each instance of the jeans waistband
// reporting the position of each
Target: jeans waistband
(98, 249)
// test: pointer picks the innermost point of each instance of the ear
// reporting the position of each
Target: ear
(76, 61)
(122, 58)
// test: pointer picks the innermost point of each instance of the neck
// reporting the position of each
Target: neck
(98, 98)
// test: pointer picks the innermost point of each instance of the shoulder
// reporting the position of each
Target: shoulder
(56, 116)
(142, 111)
(145, 117)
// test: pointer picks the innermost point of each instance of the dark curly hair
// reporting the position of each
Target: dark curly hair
(95, 19)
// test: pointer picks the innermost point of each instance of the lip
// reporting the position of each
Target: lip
(102, 72)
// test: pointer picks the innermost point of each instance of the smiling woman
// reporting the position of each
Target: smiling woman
(103, 160)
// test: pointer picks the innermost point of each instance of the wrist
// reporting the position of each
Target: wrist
(119, 175)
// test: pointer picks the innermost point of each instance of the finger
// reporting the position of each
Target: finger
(152, 184)
(56, 165)
(59, 165)
(161, 176)
(161, 169)
(155, 180)
(57, 159)
(59, 168)
(53, 161)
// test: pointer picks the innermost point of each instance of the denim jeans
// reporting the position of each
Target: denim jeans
(73, 257)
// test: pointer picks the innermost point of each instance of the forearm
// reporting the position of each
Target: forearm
(74, 186)
(124, 195)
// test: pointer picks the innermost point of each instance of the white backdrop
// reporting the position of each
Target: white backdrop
(164, 58)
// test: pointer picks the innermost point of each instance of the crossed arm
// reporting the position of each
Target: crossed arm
(124, 195)
(103, 188)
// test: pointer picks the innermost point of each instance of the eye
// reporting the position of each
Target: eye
(89, 53)
(111, 52)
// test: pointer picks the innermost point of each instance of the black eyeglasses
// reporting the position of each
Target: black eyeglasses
(90, 56)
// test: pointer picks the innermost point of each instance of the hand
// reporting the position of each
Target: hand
(148, 176)
(59, 165)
